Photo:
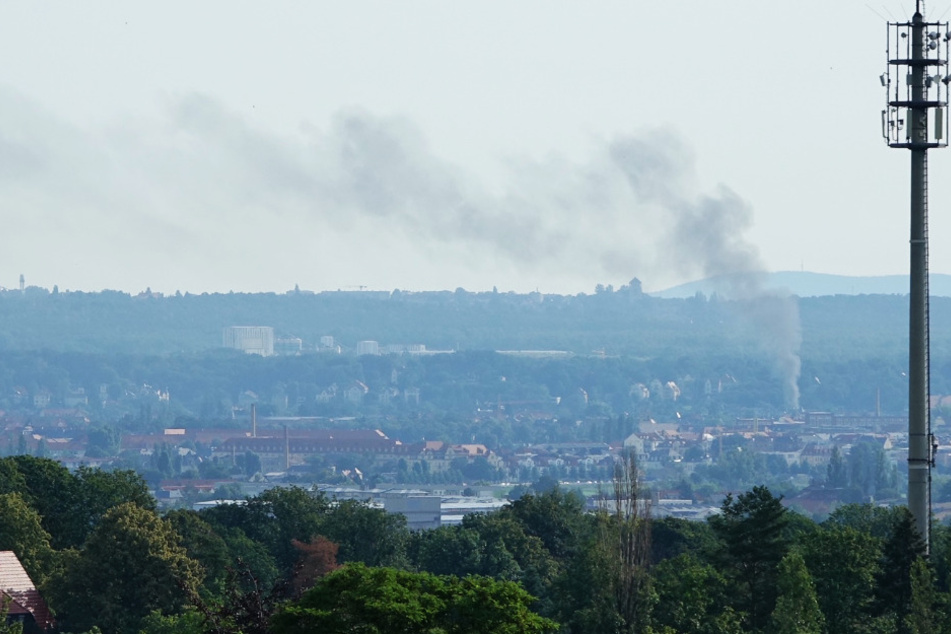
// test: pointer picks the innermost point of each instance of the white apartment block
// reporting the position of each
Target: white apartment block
(250, 339)
(368, 347)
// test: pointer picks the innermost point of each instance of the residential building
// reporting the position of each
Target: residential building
(368, 347)
(250, 339)
(19, 593)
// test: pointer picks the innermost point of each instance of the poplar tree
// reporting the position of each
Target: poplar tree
(837, 476)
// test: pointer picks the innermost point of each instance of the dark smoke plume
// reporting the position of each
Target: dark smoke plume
(704, 236)
(632, 207)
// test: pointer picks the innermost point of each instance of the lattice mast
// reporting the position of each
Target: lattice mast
(915, 118)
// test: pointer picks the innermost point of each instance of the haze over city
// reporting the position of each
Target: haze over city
(421, 145)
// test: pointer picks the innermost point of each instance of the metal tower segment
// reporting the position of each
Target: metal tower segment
(916, 50)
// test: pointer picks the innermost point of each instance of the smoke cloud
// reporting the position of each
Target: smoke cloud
(705, 232)
(183, 196)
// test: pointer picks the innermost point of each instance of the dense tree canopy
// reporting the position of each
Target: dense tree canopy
(385, 600)
(21, 531)
(843, 562)
(130, 565)
(544, 563)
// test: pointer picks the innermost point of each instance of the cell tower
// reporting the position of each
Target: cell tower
(915, 118)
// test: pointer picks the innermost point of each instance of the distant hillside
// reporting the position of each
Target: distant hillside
(805, 284)
(621, 321)
(852, 348)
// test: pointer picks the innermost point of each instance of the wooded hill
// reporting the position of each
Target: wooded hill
(623, 321)
(853, 348)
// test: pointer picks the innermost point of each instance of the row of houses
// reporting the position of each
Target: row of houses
(661, 446)
(654, 445)
(37, 400)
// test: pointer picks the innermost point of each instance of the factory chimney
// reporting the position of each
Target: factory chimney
(287, 450)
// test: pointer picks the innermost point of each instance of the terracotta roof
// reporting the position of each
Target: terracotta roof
(15, 583)
(221, 436)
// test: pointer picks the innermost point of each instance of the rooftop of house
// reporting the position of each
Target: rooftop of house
(16, 584)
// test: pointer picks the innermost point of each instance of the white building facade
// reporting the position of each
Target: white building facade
(250, 339)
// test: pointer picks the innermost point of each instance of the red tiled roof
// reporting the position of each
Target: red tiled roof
(222, 436)
(15, 583)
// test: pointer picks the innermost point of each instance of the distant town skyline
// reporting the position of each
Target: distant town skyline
(424, 146)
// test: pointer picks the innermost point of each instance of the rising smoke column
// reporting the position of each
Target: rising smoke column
(704, 235)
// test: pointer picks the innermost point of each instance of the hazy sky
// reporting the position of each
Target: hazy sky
(226, 145)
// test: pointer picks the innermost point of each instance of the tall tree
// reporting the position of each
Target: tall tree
(275, 518)
(553, 517)
(71, 504)
(448, 550)
(941, 555)
(205, 546)
(751, 527)
(870, 519)
(837, 475)
(131, 564)
(11, 480)
(797, 609)
(250, 555)
(672, 536)
(54, 492)
(604, 584)
(691, 598)
(843, 563)
(98, 490)
(245, 606)
(317, 559)
(902, 548)
(510, 553)
(626, 539)
(583, 596)
(22, 532)
(366, 534)
(923, 614)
